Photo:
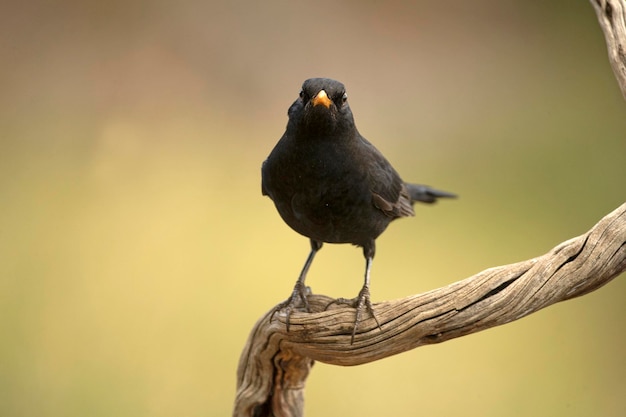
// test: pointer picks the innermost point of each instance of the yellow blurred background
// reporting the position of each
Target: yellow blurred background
(136, 250)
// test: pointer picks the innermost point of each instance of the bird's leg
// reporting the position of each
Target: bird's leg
(298, 297)
(362, 301)
(299, 290)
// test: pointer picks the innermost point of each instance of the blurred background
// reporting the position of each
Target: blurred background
(136, 250)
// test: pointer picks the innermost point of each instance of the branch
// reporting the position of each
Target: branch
(612, 18)
(275, 363)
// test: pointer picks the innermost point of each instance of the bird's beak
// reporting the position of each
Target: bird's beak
(321, 98)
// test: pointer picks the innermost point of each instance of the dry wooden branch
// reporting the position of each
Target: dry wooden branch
(275, 363)
(612, 18)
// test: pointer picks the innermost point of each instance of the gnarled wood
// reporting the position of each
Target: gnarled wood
(275, 363)
(612, 19)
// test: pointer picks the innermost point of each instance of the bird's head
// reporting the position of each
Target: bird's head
(321, 108)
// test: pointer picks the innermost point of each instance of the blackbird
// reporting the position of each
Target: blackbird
(331, 185)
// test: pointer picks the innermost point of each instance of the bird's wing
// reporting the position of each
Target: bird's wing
(389, 192)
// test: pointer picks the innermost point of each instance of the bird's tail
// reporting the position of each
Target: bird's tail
(425, 194)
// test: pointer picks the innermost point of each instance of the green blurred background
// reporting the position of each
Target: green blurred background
(136, 250)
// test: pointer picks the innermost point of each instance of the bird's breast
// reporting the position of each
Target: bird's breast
(323, 195)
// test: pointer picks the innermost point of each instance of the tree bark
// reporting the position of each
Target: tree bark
(612, 18)
(275, 363)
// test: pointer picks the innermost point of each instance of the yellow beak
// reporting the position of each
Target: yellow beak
(322, 98)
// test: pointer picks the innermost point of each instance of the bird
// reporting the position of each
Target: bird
(331, 185)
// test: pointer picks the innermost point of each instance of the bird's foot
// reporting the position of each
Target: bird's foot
(296, 301)
(360, 303)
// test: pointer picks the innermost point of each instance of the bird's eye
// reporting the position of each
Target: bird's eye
(301, 93)
(344, 98)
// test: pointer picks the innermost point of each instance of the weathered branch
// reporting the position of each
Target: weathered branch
(612, 18)
(275, 363)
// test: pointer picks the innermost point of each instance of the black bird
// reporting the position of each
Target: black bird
(331, 185)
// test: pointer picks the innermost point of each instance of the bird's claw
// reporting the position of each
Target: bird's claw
(360, 302)
(296, 301)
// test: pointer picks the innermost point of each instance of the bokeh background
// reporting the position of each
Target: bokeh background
(136, 250)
